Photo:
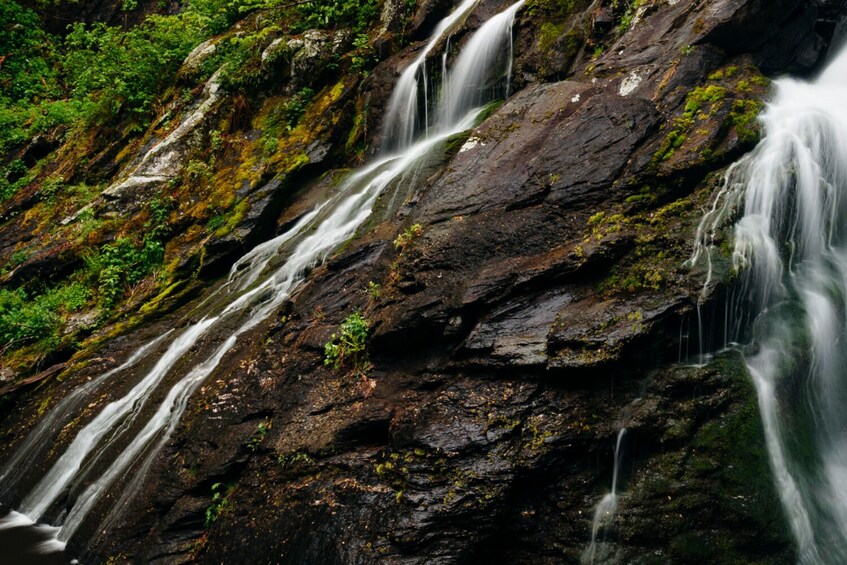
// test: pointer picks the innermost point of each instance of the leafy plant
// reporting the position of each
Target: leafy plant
(26, 319)
(374, 290)
(23, 320)
(258, 436)
(296, 107)
(124, 263)
(358, 14)
(13, 177)
(123, 71)
(348, 347)
(407, 236)
(219, 15)
(220, 502)
(294, 458)
(363, 54)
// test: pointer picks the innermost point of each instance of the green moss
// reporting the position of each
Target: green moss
(233, 218)
(170, 291)
(455, 142)
(548, 34)
(488, 110)
(357, 132)
(704, 102)
(603, 224)
(744, 118)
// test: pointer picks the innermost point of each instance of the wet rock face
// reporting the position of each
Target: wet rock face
(542, 307)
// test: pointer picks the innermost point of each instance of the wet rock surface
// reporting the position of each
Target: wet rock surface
(543, 306)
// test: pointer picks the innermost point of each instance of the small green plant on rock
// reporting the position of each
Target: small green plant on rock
(348, 347)
(374, 290)
(407, 236)
(294, 459)
(220, 502)
(258, 436)
(296, 107)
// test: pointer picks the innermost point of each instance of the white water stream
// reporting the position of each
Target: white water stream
(791, 248)
(259, 283)
(605, 510)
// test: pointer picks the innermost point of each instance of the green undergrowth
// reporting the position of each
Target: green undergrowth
(221, 492)
(99, 88)
(102, 75)
(39, 316)
(26, 319)
(347, 348)
(358, 14)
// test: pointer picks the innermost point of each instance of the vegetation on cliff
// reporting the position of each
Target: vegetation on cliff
(75, 109)
(501, 310)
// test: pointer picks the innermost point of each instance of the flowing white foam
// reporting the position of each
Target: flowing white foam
(50, 424)
(50, 543)
(403, 116)
(791, 244)
(605, 511)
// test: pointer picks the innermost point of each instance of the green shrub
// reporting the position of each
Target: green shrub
(13, 177)
(296, 107)
(123, 263)
(25, 319)
(363, 55)
(220, 502)
(348, 347)
(358, 14)
(125, 70)
(219, 15)
(25, 72)
(407, 236)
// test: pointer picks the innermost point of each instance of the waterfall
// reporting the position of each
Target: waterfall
(790, 200)
(606, 509)
(403, 116)
(93, 465)
(468, 85)
(604, 512)
(476, 77)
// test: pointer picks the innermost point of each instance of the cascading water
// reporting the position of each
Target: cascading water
(259, 283)
(791, 248)
(404, 107)
(604, 512)
(606, 509)
(471, 82)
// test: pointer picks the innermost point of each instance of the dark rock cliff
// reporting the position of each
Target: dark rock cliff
(542, 305)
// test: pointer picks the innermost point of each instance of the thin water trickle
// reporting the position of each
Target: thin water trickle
(790, 199)
(258, 284)
(599, 551)
(604, 512)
